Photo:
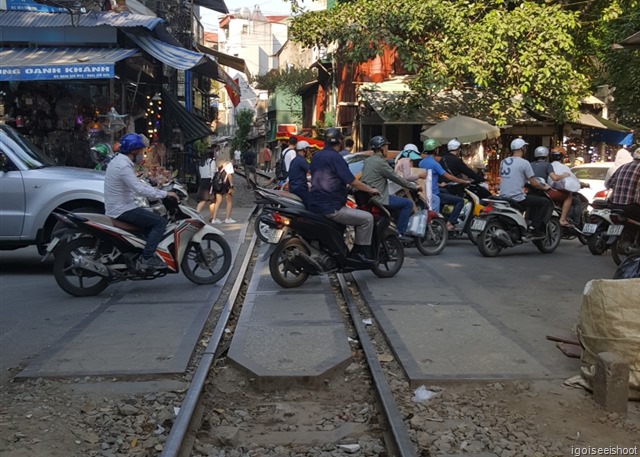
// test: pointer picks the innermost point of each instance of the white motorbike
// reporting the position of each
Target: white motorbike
(500, 225)
(95, 250)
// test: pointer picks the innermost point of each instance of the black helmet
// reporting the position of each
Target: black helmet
(377, 142)
(332, 136)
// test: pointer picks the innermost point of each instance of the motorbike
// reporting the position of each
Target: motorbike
(436, 235)
(471, 209)
(501, 224)
(95, 251)
(624, 236)
(273, 198)
(311, 244)
(596, 229)
(578, 216)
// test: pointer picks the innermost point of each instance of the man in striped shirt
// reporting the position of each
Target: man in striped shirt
(625, 185)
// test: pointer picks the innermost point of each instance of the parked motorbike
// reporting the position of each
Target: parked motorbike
(471, 209)
(624, 236)
(96, 250)
(311, 244)
(501, 224)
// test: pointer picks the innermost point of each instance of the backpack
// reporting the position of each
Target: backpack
(281, 167)
(218, 181)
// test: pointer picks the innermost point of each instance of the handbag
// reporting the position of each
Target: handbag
(417, 224)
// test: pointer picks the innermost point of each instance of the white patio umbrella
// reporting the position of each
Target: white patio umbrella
(464, 129)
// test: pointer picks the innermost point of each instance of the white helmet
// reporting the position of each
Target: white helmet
(411, 147)
(453, 145)
(518, 143)
(636, 154)
(300, 145)
(541, 151)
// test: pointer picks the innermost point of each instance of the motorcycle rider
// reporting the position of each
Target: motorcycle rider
(330, 176)
(375, 173)
(451, 161)
(120, 187)
(625, 185)
(298, 170)
(543, 169)
(437, 197)
(515, 172)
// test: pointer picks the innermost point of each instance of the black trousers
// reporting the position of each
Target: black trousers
(539, 210)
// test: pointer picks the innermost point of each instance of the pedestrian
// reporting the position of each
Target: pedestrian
(249, 159)
(205, 193)
(226, 172)
(266, 158)
(348, 147)
(237, 154)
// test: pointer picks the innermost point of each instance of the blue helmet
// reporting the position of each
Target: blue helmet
(131, 142)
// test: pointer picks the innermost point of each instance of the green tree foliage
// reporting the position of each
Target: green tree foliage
(519, 54)
(288, 81)
(244, 119)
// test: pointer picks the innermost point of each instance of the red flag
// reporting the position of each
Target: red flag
(233, 95)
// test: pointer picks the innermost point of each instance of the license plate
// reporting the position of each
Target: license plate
(478, 225)
(52, 245)
(275, 235)
(588, 229)
(615, 230)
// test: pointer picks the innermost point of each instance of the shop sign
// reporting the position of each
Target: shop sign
(49, 72)
(29, 5)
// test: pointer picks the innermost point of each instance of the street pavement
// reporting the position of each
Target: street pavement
(457, 315)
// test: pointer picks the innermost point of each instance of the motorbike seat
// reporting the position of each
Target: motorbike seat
(512, 203)
(126, 226)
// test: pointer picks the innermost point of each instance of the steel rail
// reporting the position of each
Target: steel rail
(173, 445)
(399, 431)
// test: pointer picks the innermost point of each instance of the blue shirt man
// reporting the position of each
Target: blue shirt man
(330, 176)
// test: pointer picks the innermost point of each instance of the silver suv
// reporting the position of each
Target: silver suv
(32, 186)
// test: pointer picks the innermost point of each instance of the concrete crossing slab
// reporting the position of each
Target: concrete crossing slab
(286, 336)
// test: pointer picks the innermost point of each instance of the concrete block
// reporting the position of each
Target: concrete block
(611, 383)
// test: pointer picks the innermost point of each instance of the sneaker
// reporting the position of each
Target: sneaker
(229, 221)
(151, 263)
(216, 221)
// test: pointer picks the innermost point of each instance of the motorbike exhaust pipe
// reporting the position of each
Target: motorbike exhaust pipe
(93, 267)
(501, 237)
(302, 261)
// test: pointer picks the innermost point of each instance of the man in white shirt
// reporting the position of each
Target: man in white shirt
(121, 186)
(289, 154)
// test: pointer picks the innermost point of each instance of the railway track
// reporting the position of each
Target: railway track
(353, 409)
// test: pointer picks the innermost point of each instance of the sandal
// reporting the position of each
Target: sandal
(450, 227)
(567, 225)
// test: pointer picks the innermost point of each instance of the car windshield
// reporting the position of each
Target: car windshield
(30, 154)
(590, 172)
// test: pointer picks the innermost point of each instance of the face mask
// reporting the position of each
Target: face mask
(138, 159)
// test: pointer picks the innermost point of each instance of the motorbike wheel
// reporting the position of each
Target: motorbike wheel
(390, 257)
(619, 248)
(282, 272)
(597, 243)
(208, 261)
(487, 246)
(551, 242)
(434, 239)
(73, 280)
(262, 230)
(473, 235)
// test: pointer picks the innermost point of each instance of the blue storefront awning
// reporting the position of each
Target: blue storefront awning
(182, 59)
(32, 64)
